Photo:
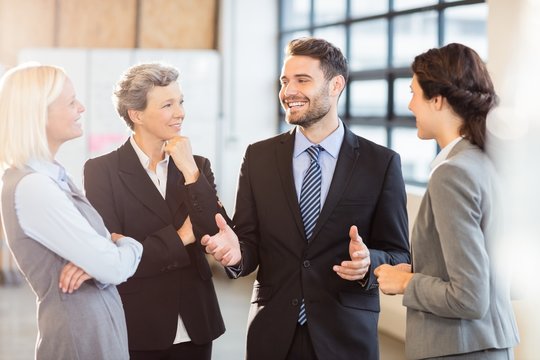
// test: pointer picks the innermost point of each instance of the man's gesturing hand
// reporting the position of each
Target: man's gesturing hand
(224, 245)
(358, 266)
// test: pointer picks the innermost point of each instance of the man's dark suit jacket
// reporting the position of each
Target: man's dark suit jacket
(367, 190)
(171, 279)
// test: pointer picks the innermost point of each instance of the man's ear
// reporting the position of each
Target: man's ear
(337, 84)
(135, 116)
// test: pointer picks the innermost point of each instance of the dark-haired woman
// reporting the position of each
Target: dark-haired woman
(457, 299)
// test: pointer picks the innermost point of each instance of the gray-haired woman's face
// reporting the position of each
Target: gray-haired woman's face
(162, 119)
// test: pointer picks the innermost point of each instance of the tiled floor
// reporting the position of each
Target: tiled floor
(18, 329)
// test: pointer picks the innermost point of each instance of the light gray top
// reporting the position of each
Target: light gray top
(60, 225)
(63, 229)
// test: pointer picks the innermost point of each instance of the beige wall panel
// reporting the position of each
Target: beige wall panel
(178, 24)
(97, 23)
(25, 23)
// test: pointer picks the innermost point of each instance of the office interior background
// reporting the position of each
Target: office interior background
(229, 54)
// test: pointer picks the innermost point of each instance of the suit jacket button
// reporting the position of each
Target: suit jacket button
(307, 263)
(294, 302)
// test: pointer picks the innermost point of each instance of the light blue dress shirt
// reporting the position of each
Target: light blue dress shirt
(327, 159)
(48, 216)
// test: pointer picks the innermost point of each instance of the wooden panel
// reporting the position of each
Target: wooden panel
(25, 23)
(97, 23)
(178, 24)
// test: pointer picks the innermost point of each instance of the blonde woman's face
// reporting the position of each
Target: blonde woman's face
(63, 117)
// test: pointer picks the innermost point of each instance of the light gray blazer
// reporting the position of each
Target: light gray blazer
(458, 301)
(87, 324)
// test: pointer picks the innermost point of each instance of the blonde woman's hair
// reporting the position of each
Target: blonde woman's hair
(26, 92)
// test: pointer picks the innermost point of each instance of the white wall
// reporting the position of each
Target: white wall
(248, 38)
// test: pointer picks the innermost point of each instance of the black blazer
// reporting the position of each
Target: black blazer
(171, 279)
(367, 190)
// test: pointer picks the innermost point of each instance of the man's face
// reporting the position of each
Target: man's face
(304, 94)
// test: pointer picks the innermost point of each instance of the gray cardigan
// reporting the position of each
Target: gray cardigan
(87, 324)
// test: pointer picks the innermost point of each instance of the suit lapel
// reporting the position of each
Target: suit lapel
(348, 156)
(284, 153)
(135, 178)
(175, 181)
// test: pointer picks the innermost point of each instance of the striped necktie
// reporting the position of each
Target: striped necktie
(310, 203)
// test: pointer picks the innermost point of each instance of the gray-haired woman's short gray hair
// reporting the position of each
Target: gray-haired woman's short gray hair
(133, 87)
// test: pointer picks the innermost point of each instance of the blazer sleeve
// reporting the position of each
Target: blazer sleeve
(457, 211)
(163, 249)
(202, 201)
(245, 222)
(389, 234)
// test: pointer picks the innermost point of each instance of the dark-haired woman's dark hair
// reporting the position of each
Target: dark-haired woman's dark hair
(457, 73)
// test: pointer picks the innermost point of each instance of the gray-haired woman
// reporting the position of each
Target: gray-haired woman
(155, 190)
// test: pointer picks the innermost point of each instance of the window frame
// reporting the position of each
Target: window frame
(389, 74)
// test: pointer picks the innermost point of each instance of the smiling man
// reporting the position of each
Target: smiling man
(317, 209)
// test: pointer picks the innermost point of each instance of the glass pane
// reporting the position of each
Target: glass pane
(369, 45)
(410, 4)
(330, 11)
(295, 13)
(333, 34)
(414, 34)
(341, 103)
(368, 7)
(377, 134)
(467, 25)
(369, 98)
(402, 96)
(416, 155)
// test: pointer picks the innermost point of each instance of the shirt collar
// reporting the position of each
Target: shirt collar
(143, 158)
(443, 154)
(51, 169)
(331, 144)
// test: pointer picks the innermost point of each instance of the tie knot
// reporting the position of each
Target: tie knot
(314, 151)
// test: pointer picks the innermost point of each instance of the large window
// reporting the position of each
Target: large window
(380, 39)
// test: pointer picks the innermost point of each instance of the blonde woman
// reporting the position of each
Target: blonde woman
(58, 239)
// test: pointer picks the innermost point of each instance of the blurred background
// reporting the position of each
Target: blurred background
(229, 54)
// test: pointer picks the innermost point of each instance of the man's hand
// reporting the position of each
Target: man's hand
(358, 266)
(224, 245)
(72, 277)
(179, 148)
(186, 232)
(393, 279)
